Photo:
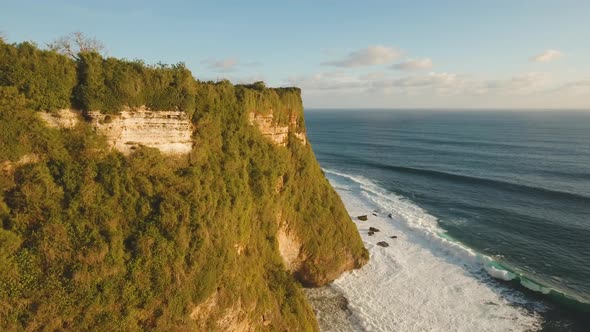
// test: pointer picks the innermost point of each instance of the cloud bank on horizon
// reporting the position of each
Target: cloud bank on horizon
(379, 85)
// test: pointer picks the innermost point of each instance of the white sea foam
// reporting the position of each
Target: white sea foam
(499, 273)
(422, 281)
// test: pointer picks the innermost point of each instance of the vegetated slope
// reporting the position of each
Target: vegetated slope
(93, 239)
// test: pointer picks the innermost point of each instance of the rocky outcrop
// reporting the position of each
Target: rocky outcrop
(233, 318)
(302, 137)
(308, 275)
(278, 134)
(290, 249)
(303, 266)
(65, 118)
(168, 131)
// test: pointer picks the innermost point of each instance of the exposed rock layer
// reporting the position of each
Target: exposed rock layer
(290, 249)
(233, 318)
(276, 133)
(65, 118)
(168, 131)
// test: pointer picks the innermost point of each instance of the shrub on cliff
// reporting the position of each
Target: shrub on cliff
(44, 77)
(110, 84)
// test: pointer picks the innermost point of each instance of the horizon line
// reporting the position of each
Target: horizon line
(446, 109)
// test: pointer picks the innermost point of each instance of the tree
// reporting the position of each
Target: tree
(76, 43)
(259, 85)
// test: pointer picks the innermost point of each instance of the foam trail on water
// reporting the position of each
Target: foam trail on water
(424, 281)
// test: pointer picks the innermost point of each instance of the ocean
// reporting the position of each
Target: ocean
(491, 210)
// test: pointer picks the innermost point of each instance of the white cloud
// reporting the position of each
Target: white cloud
(378, 81)
(585, 82)
(227, 64)
(385, 89)
(374, 76)
(437, 82)
(414, 64)
(373, 55)
(547, 56)
(325, 81)
(517, 84)
(581, 86)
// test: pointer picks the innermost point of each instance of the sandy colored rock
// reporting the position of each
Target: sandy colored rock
(289, 248)
(233, 318)
(65, 118)
(168, 131)
(279, 135)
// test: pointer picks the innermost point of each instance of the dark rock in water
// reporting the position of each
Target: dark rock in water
(371, 233)
(375, 214)
(383, 244)
(362, 218)
(373, 229)
(393, 237)
(390, 216)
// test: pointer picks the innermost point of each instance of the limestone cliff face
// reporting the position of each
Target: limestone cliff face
(169, 131)
(297, 261)
(290, 249)
(276, 133)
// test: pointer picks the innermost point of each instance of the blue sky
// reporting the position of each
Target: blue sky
(385, 54)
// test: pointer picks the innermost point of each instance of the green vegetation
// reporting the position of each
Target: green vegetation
(44, 77)
(92, 239)
(109, 84)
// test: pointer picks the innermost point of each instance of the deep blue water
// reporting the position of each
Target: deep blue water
(511, 185)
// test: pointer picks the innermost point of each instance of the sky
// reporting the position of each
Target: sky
(346, 54)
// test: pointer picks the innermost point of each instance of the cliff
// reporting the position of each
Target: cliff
(168, 131)
(276, 133)
(135, 197)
